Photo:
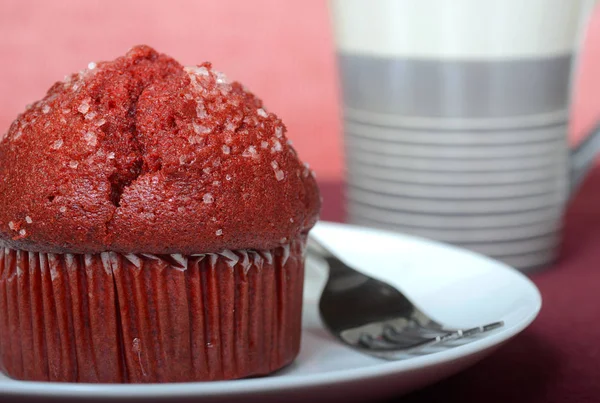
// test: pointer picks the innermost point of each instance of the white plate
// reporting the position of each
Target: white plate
(456, 287)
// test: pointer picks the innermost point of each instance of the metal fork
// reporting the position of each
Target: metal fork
(376, 318)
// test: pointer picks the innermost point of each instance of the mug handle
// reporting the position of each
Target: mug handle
(582, 157)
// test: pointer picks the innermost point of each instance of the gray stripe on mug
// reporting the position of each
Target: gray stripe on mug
(352, 147)
(442, 234)
(357, 174)
(554, 224)
(468, 222)
(427, 166)
(558, 132)
(428, 205)
(457, 199)
(449, 130)
(481, 216)
(454, 89)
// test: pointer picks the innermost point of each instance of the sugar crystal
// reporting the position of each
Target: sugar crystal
(200, 110)
(22, 232)
(198, 70)
(261, 112)
(73, 164)
(196, 140)
(199, 129)
(221, 77)
(12, 225)
(28, 220)
(46, 109)
(84, 107)
(225, 88)
(276, 146)
(219, 232)
(208, 198)
(250, 152)
(226, 149)
(57, 144)
(90, 138)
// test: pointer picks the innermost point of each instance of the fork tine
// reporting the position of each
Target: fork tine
(391, 340)
(434, 328)
(367, 341)
(416, 331)
(405, 339)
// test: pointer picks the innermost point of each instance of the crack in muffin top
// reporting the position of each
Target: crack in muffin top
(143, 155)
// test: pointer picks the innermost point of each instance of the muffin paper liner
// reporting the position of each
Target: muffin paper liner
(111, 318)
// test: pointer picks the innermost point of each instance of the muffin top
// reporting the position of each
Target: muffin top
(143, 155)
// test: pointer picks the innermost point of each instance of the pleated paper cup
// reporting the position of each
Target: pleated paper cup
(143, 318)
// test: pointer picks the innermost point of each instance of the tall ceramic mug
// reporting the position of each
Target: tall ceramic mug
(455, 119)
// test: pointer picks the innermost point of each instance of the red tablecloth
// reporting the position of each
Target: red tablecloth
(557, 359)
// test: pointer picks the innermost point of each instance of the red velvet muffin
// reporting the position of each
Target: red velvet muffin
(153, 219)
